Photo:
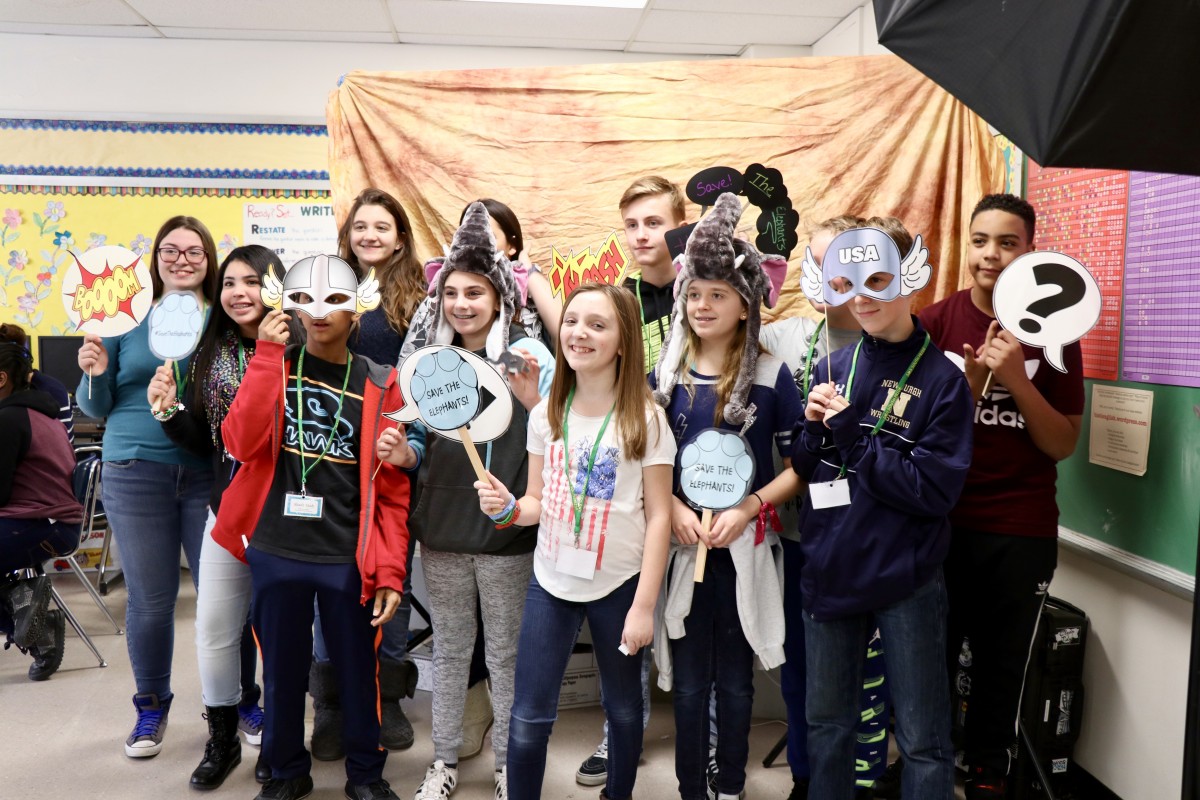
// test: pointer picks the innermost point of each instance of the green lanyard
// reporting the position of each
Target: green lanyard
(808, 360)
(242, 359)
(337, 418)
(895, 395)
(637, 293)
(180, 378)
(577, 501)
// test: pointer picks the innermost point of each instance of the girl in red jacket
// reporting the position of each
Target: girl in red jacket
(312, 518)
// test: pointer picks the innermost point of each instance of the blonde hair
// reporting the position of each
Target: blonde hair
(895, 230)
(836, 225)
(651, 186)
(633, 395)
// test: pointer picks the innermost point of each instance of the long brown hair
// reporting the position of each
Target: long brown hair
(401, 279)
(632, 392)
(210, 251)
(729, 368)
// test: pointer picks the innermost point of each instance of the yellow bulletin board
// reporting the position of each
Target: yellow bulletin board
(39, 226)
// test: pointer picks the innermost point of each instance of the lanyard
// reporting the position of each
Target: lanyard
(577, 501)
(241, 359)
(808, 360)
(637, 293)
(895, 395)
(337, 418)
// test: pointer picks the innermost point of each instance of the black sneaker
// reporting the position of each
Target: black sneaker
(375, 790)
(48, 653)
(594, 769)
(799, 789)
(286, 788)
(28, 601)
(985, 783)
(887, 786)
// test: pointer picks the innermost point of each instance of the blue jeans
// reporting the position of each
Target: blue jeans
(25, 543)
(915, 632)
(394, 646)
(548, 633)
(154, 510)
(712, 627)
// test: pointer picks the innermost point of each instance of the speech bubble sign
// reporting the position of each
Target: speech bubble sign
(439, 391)
(175, 324)
(716, 469)
(608, 264)
(1047, 300)
(708, 184)
(107, 290)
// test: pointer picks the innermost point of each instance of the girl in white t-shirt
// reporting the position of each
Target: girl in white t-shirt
(600, 462)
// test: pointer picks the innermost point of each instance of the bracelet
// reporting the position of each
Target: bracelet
(165, 414)
(506, 511)
(511, 519)
(757, 497)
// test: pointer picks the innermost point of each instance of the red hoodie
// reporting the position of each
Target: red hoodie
(253, 432)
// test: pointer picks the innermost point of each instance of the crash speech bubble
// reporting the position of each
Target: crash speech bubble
(107, 290)
(1047, 300)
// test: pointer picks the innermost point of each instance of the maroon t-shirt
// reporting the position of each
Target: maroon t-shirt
(1011, 486)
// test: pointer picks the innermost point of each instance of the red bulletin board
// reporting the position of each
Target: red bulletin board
(1081, 212)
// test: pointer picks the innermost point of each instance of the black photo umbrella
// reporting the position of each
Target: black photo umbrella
(1111, 84)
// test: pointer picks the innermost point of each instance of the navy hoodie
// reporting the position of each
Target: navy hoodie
(894, 534)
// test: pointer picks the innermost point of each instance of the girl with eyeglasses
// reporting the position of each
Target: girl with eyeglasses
(154, 492)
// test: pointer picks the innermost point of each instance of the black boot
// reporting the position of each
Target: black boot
(28, 601)
(397, 679)
(327, 721)
(262, 770)
(222, 752)
(48, 653)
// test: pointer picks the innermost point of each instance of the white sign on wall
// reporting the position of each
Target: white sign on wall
(294, 230)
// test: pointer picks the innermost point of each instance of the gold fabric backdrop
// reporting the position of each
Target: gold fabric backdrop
(868, 135)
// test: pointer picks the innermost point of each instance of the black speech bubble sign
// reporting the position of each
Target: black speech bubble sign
(763, 186)
(677, 239)
(708, 184)
(777, 229)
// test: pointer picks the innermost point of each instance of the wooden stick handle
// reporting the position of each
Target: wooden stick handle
(987, 385)
(89, 383)
(158, 403)
(473, 454)
(701, 547)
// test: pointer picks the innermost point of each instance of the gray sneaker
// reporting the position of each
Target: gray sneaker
(146, 739)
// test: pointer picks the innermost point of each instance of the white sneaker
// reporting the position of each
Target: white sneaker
(477, 718)
(440, 782)
(502, 784)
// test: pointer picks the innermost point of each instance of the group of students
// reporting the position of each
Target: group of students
(908, 513)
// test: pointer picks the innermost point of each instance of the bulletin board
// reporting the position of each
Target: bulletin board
(1136, 233)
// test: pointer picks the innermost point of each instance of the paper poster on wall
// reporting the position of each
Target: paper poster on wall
(607, 265)
(107, 290)
(292, 230)
(1120, 428)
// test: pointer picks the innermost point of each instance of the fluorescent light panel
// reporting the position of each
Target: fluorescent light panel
(582, 3)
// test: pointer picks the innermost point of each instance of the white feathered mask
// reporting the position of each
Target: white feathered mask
(320, 285)
(856, 255)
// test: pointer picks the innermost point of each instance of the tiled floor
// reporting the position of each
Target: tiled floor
(63, 738)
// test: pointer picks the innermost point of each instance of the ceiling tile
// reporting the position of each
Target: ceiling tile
(67, 12)
(510, 41)
(266, 15)
(119, 31)
(518, 20)
(278, 36)
(795, 8)
(740, 29)
(685, 48)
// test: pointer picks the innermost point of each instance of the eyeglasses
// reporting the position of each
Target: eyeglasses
(169, 255)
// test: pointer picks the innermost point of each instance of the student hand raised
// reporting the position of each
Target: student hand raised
(386, 603)
(1004, 356)
(274, 327)
(975, 368)
(93, 356)
(393, 447)
(524, 382)
(161, 392)
(685, 525)
(493, 496)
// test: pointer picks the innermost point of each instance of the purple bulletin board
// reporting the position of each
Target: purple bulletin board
(1162, 280)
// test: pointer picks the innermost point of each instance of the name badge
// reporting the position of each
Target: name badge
(830, 494)
(576, 562)
(303, 506)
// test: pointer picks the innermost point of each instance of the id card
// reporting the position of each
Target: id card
(303, 506)
(576, 562)
(830, 494)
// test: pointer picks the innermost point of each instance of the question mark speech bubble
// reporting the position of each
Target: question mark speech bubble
(481, 400)
(716, 469)
(174, 326)
(1047, 300)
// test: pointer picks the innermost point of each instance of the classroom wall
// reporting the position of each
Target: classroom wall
(1138, 654)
